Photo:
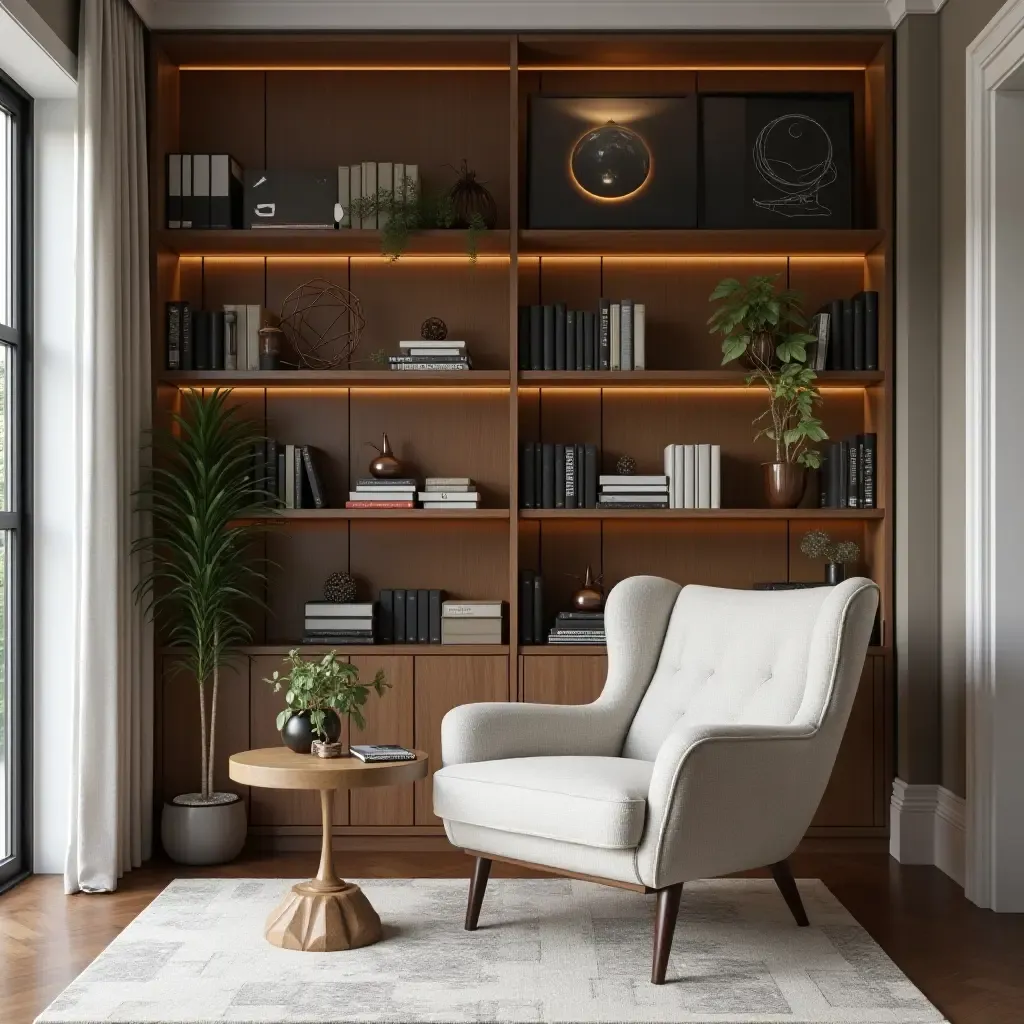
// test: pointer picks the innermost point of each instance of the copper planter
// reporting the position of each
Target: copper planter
(784, 484)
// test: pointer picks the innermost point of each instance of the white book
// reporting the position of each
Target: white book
(339, 609)
(230, 339)
(355, 184)
(370, 191)
(703, 476)
(324, 624)
(438, 488)
(670, 472)
(400, 183)
(385, 181)
(201, 187)
(412, 181)
(471, 609)
(689, 476)
(615, 337)
(381, 495)
(679, 459)
(637, 488)
(451, 504)
(446, 343)
(252, 337)
(620, 499)
(618, 479)
(626, 335)
(716, 476)
(186, 190)
(446, 481)
(345, 195)
(432, 352)
(639, 329)
(174, 189)
(447, 496)
(289, 476)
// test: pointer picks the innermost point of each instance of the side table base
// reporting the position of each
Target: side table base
(316, 920)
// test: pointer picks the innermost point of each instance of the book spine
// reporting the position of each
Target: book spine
(201, 340)
(689, 476)
(668, 463)
(626, 332)
(538, 475)
(289, 476)
(524, 337)
(548, 464)
(423, 616)
(538, 610)
(853, 473)
(272, 454)
(849, 336)
(870, 452)
(836, 345)
(186, 190)
(536, 337)
(859, 333)
(411, 617)
(526, 496)
(299, 474)
(570, 339)
(580, 342)
(559, 336)
(312, 477)
(217, 340)
(430, 364)
(398, 616)
(615, 336)
(549, 338)
(559, 476)
(570, 476)
(173, 198)
(370, 191)
(385, 183)
(844, 474)
(355, 184)
(379, 504)
(252, 336)
(434, 617)
(823, 471)
(230, 339)
(580, 460)
(591, 475)
(871, 330)
(526, 608)
(200, 190)
(716, 476)
(173, 319)
(345, 196)
(386, 616)
(679, 472)
(590, 341)
(604, 344)
(639, 336)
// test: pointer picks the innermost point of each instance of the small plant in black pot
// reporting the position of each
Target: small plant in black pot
(318, 693)
(836, 555)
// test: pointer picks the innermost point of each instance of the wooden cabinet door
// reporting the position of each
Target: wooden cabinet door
(568, 679)
(443, 683)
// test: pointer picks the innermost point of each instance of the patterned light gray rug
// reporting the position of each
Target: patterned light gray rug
(546, 951)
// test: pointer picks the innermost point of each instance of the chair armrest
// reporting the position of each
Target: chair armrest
(493, 731)
(727, 798)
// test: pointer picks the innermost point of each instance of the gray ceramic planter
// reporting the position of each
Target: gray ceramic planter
(211, 833)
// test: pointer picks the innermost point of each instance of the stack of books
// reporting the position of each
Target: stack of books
(578, 628)
(431, 355)
(472, 622)
(633, 492)
(847, 473)
(373, 493)
(408, 616)
(328, 622)
(555, 338)
(694, 475)
(212, 339)
(449, 492)
(289, 473)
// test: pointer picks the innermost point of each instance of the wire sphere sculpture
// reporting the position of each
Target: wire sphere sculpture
(324, 323)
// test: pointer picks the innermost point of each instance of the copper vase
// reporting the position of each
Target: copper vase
(784, 484)
(385, 466)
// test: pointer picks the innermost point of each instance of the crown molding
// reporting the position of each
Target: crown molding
(899, 9)
(33, 55)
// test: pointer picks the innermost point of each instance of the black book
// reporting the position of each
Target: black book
(536, 337)
(570, 476)
(590, 474)
(217, 340)
(843, 473)
(848, 335)
(853, 474)
(173, 199)
(524, 337)
(259, 463)
(548, 477)
(423, 616)
(580, 617)
(316, 488)
(590, 341)
(281, 490)
(538, 475)
(604, 343)
(411, 618)
(871, 330)
(559, 336)
(570, 339)
(559, 476)
(870, 452)
(823, 471)
(527, 498)
(549, 338)
(303, 499)
(538, 610)
(787, 586)
(860, 471)
(859, 335)
(580, 330)
(272, 467)
(434, 616)
(581, 476)
(172, 352)
(835, 342)
(349, 640)
(202, 328)
(526, 608)
(832, 479)
(398, 617)
(386, 616)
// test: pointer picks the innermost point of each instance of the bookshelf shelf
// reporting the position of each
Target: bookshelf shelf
(784, 514)
(598, 650)
(335, 378)
(679, 378)
(327, 514)
(384, 650)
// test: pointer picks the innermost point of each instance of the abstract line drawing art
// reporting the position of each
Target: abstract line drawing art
(794, 155)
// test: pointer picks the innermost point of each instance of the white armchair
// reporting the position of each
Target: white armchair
(707, 752)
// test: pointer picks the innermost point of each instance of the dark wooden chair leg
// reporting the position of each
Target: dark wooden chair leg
(477, 886)
(664, 929)
(784, 880)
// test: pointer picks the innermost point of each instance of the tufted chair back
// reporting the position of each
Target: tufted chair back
(739, 657)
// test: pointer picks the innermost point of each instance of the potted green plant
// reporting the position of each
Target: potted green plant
(766, 328)
(317, 694)
(199, 578)
(836, 555)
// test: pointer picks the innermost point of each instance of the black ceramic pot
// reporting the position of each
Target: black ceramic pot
(298, 733)
(835, 573)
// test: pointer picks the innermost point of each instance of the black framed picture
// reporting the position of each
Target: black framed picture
(612, 163)
(777, 161)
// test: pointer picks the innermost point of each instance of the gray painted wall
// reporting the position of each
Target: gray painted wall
(62, 17)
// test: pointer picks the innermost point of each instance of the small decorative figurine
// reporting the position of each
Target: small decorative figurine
(385, 465)
(433, 329)
(590, 597)
(340, 588)
(626, 466)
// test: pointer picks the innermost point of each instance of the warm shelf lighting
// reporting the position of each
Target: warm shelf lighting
(344, 67)
(692, 67)
(692, 258)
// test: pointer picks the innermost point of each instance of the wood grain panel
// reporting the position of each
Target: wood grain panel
(570, 416)
(389, 719)
(472, 299)
(437, 433)
(318, 119)
(233, 282)
(223, 112)
(639, 82)
(849, 799)
(575, 281)
(179, 724)
(280, 806)
(676, 295)
(563, 680)
(190, 282)
(718, 554)
(820, 281)
(442, 684)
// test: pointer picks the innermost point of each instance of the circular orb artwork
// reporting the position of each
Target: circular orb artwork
(794, 155)
(611, 162)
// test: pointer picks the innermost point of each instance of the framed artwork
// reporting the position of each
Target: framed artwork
(777, 161)
(612, 163)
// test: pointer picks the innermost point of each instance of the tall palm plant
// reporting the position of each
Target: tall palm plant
(200, 574)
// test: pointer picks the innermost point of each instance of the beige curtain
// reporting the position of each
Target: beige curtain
(112, 654)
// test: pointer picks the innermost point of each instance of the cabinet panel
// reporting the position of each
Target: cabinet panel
(443, 683)
(563, 680)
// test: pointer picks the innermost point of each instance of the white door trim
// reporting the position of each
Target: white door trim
(991, 59)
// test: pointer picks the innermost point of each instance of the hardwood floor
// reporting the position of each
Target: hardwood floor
(967, 961)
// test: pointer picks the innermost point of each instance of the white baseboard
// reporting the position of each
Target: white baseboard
(927, 827)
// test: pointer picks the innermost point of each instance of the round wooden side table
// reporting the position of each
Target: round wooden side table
(326, 913)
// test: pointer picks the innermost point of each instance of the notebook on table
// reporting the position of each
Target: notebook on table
(382, 752)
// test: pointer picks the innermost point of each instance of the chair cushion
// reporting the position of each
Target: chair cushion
(595, 801)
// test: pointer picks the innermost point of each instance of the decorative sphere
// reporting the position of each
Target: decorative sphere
(340, 588)
(433, 329)
(611, 162)
(626, 466)
(794, 152)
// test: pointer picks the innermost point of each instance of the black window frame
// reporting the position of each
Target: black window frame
(17, 520)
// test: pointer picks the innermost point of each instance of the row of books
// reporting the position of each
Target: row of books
(558, 475)
(694, 474)
(847, 333)
(439, 492)
(431, 355)
(212, 339)
(633, 492)
(367, 179)
(289, 473)
(847, 474)
(204, 190)
(407, 616)
(552, 337)
(573, 627)
(337, 622)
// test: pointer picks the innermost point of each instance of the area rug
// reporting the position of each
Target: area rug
(546, 951)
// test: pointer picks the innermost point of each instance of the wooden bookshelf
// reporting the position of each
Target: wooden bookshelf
(286, 101)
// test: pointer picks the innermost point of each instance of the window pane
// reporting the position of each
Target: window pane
(7, 239)
(6, 434)
(5, 701)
